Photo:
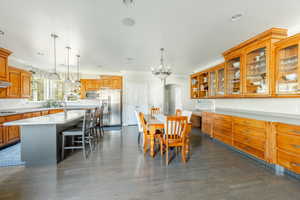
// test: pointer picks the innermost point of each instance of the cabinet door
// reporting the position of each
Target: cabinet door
(212, 83)
(116, 83)
(257, 71)
(194, 87)
(221, 82)
(233, 77)
(287, 70)
(25, 85)
(3, 68)
(91, 85)
(14, 91)
(3, 131)
(13, 133)
(107, 82)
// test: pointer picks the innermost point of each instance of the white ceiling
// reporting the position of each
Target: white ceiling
(193, 32)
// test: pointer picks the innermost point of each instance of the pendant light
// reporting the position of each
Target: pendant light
(77, 83)
(54, 75)
(68, 80)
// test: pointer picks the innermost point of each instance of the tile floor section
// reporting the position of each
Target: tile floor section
(118, 170)
(11, 156)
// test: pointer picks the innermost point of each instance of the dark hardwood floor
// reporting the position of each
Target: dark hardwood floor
(118, 170)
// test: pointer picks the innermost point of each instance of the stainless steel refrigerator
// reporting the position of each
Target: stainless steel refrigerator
(112, 101)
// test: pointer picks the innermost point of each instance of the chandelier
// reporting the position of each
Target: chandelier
(162, 71)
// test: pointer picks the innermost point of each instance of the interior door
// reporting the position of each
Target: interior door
(136, 97)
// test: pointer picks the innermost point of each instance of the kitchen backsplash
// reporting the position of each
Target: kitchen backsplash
(274, 105)
(6, 104)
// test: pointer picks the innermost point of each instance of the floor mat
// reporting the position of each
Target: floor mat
(11, 156)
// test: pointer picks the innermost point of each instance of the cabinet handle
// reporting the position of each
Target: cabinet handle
(295, 164)
(296, 146)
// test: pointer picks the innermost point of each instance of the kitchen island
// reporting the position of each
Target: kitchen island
(40, 138)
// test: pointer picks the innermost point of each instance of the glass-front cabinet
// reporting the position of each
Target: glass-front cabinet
(195, 86)
(287, 67)
(221, 81)
(212, 83)
(256, 72)
(203, 85)
(233, 77)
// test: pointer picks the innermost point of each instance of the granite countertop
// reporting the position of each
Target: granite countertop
(258, 115)
(58, 118)
(28, 110)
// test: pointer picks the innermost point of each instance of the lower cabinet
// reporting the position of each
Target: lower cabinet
(222, 128)
(276, 143)
(250, 136)
(3, 133)
(288, 146)
(207, 123)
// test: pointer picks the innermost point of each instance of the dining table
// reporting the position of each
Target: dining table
(154, 123)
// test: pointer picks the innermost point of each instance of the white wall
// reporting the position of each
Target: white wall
(148, 92)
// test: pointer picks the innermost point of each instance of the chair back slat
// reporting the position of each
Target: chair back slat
(175, 127)
(154, 111)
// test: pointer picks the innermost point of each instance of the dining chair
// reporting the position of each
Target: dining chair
(188, 114)
(140, 127)
(82, 135)
(154, 111)
(176, 135)
(178, 112)
(147, 135)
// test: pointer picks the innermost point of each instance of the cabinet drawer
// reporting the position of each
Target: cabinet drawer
(36, 114)
(249, 122)
(222, 117)
(2, 120)
(250, 141)
(288, 129)
(250, 150)
(289, 161)
(290, 143)
(252, 131)
(223, 131)
(223, 138)
(223, 123)
(13, 118)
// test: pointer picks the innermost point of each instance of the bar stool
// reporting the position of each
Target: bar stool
(100, 121)
(83, 136)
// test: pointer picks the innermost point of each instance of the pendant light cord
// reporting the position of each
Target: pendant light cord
(68, 60)
(78, 57)
(54, 36)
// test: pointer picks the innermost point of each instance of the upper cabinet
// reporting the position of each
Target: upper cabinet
(20, 84)
(195, 86)
(287, 68)
(249, 69)
(105, 82)
(233, 75)
(4, 53)
(257, 70)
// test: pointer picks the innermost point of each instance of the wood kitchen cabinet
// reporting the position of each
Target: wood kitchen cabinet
(25, 85)
(105, 82)
(14, 77)
(287, 67)
(20, 84)
(195, 86)
(257, 70)
(222, 128)
(4, 53)
(233, 66)
(207, 120)
(249, 68)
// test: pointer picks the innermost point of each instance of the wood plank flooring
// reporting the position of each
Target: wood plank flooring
(118, 170)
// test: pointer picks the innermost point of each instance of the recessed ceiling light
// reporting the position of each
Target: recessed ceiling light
(128, 2)
(129, 59)
(40, 53)
(236, 17)
(100, 66)
(128, 21)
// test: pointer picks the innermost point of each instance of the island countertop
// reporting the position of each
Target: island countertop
(58, 118)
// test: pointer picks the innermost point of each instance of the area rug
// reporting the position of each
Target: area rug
(11, 156)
